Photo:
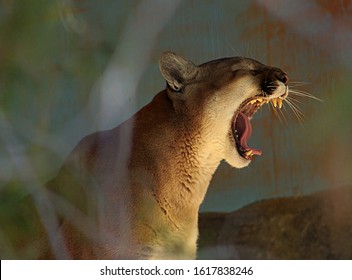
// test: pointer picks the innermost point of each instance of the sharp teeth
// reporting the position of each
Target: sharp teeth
(260, 101)
(274, 101)
(249, 153)
(279, 102)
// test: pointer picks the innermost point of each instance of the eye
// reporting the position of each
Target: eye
(254, 72)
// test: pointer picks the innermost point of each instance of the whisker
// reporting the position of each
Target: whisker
(237, 53)
(292, 101)
(283, 116)
(304, 94)
(296, 115)
(295, 86)
(276, 113)
(295, 100)
(283, 106)
(298, 83)
(296, 111)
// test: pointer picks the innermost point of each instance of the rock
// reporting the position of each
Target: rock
(317, 226)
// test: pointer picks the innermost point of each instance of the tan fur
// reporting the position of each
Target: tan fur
(137, 188)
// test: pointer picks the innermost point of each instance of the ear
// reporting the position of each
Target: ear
(176, 70)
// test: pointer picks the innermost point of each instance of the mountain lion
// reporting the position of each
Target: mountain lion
(133, 192)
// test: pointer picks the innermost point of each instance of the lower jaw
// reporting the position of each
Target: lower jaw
(235, 160)
(249, 154)
(231, 156)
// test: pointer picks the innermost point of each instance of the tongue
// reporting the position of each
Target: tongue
(244, 128)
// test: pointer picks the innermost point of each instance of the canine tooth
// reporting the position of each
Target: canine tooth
(259, 99)
(279, 102)
(252, 101)
(274, 101)
(249, 153)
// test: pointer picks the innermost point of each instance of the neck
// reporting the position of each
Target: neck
(182, 160)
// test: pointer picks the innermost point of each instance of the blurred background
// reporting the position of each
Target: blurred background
(71, 67)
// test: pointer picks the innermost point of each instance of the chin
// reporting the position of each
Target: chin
(234, 159)
(238, 163)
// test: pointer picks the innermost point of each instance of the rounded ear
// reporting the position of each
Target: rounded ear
(176, 70)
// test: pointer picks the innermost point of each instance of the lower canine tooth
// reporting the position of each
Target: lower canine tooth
(248, 153)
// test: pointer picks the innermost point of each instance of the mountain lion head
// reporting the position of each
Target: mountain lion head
(224, 94)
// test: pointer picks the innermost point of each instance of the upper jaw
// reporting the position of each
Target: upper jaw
(281, 91)
(276, 98)
(248, 108)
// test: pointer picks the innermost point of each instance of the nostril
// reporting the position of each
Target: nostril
(284, 79)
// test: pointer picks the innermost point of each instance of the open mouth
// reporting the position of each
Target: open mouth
(241, 125)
